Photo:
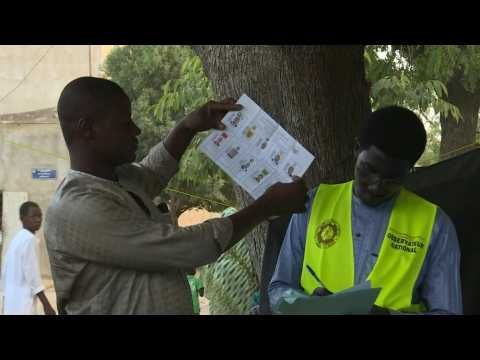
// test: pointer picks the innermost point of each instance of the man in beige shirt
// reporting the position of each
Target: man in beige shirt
(111, 250)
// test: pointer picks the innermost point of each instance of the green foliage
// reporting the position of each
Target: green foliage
(142, 71)
(186, 93)
(197, 173)
(414, 76)
(432, 151)
(399, 80)
(442, 62)
(165, 83)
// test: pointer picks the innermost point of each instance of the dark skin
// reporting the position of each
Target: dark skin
(378, 178)
(32, 221)
(103, 141)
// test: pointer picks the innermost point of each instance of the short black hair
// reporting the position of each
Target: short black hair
(26, 206)
(396, 131)
(85, 96)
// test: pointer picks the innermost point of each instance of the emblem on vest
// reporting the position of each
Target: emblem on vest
(404, 242)
(327, 234)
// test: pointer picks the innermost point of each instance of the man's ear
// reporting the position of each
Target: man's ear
(85, 127)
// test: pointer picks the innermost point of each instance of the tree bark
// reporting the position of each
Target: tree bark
(176, 208)
(317, 93)
(458, 136)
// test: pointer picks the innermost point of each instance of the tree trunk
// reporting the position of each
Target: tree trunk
(457, 137)
(175, 207)
(317, 93)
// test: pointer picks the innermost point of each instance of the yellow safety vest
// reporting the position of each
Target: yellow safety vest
(329, 246)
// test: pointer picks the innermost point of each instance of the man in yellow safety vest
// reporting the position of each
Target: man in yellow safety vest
(373, 229)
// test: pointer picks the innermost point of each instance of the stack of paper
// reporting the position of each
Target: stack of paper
(357, 300)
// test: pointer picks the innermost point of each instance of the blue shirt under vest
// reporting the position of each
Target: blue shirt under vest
(438, 284)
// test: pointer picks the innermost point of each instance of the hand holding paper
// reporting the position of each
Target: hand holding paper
(209, 116)
(285, 198)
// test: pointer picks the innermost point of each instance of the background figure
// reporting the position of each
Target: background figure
(21, 282)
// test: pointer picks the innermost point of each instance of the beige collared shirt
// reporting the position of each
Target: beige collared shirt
(110, 256)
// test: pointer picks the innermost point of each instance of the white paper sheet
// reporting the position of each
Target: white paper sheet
(357, 300)
(254, 150)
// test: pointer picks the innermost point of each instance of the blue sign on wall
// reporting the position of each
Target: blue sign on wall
(44, 174)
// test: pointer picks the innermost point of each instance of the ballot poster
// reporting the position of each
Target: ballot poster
(254, 150)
